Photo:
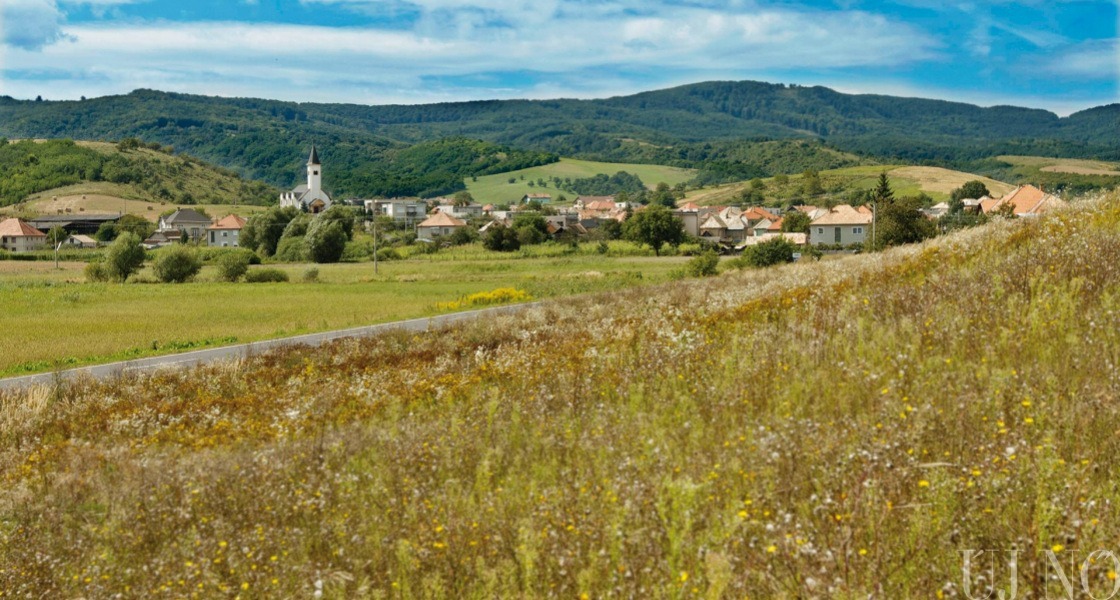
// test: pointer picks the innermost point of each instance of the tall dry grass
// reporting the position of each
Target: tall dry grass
(840, 429)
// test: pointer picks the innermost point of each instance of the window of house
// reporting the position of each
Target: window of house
(836, 230)
(857, 230)
(820, 230)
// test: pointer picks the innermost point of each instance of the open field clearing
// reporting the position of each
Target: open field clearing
(498, 190)
(110, 198)
(838, 429)
(1065, 165)
(905, 181)
(61, 321)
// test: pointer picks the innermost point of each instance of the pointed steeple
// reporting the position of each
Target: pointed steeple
(314, 159)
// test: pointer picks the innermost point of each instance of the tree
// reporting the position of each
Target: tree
(326, 240)
(704, 265)
(654, 226)
(233, 265)
(463, 236)
(811, 183)
(500, 238)
(900, 222)
(135, 224)
(124, 256)
(262, 232)
(345, 217)
(882, 192)
(771, 252)
(796, 221)
(56, 236)
(462, 198)
(176, 264)
(974, 189)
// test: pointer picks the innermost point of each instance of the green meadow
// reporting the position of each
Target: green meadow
(62, 321)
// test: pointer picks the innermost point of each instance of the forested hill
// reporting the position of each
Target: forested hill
(268, 140)
(405, 149)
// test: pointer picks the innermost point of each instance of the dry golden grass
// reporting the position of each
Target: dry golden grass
(842, 429)
(942, 181)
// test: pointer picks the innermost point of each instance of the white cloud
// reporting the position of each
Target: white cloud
(1096, 59)
(30, 24)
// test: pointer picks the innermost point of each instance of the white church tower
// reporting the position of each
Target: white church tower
(309, 197)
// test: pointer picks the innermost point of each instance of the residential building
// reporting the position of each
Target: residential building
(408, 212)
(438, 225)
(540, 198)
(184, 219)
(1025, 200)
(79, 240)
(17, 236)
(226, 232)
(843, 225)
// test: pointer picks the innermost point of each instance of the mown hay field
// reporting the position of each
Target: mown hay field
(842, 429)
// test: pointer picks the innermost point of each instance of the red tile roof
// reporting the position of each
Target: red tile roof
(13, 227)
(229, 222)
(440, 219)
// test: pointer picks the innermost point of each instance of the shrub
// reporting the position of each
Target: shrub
(500, 238)
(496, 296)
(232, 266)
(703, 265)
(291, 249)
(771, 252)
(265, 276)
(124, 256)
(388, 254)
(97, 271)
(176, 264)
(311, 275)
(357, 250)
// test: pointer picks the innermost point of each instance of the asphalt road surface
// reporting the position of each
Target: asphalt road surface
(198, 357)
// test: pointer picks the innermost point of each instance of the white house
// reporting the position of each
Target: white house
(438, 225)
(842, 225)
(226, 232)
(185, 219)
(402, 211)
(17, 236)
(309, 196)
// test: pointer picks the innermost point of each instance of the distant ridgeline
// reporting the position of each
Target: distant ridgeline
(728, 130)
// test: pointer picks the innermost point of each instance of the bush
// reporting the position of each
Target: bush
(704, 265)
(124, 257)
(771, 252)
(96, 271)
(357, 250)
(176, 264)
(388, 254)
(266, 276)
(500, 238)
(291, 249)
(311, 275)
(233, 265)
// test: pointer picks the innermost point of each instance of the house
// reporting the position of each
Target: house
(81, 241)
(309, 196)
(408, 212)
(843, 225)
(159, 239)
(713, 229)
(799, 239)
(462, 211)
(226, 232)
(539, 198)
(766, 226)
(184, 219)
(689, 214)
(438, 225)
(602, 205)
(936, 211)
(1025, 200)
(17, 236)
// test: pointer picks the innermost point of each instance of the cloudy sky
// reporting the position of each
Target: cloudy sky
(1057, 54)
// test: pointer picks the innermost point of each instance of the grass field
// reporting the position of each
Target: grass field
(496, 189)
(62, 321)
(905, 181)
(1065, 165)
(843, 429)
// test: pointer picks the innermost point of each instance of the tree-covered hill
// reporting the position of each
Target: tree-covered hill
(138, 171)
(716, 127)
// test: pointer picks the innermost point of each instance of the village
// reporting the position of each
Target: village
(727, 229)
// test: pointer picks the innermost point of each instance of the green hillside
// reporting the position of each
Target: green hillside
(846, 429)
(31, 169)
(727, 130)
(498, 189)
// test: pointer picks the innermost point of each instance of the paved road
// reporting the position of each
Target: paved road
(198, 357)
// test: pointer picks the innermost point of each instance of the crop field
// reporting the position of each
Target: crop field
(62, 321)
(905, 181)
(842, 429)
(110, 198)
(498, 190)
(1065, 165)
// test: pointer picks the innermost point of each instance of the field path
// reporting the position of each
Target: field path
(198, 357)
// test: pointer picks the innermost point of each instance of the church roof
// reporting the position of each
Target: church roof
(314, 160)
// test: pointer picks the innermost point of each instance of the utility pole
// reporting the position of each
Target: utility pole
(375, 242)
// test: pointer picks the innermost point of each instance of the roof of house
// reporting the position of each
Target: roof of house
(13, 227)
(186, 215)
(713, 222)
(797, 238)
(600, 204)
(538, 196)
(229, 222)
(692, 206)
(756, 213)
(83, 239)
(441, 219)
(1027, 200)
(844, 215)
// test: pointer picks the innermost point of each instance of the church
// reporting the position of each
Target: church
(309, 196)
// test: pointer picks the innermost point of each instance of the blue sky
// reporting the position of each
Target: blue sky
(1062, 55)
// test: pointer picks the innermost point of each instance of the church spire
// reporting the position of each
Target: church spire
(314, 159)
